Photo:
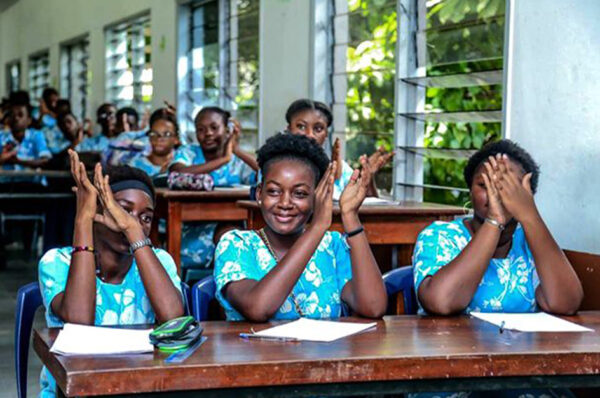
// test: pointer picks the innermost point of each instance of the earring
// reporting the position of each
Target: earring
(259, 202)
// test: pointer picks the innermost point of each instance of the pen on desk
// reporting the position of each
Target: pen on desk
(502, 324)
(268, 338)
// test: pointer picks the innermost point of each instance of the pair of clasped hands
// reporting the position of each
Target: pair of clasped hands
(509, 194)
(113, 216)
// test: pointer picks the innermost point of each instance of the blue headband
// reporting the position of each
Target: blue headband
(132, 184)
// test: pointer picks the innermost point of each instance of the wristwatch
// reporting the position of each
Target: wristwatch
(495, 223)
(139, 244)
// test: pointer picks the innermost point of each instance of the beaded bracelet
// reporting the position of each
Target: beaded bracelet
(77, 249)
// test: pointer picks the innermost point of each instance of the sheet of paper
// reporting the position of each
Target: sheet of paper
(316, 330)
(532, 322)
(377, 201)
(93, 340)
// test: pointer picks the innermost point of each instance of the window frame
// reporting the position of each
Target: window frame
(10, 86)
(68, 80)
(34, 63)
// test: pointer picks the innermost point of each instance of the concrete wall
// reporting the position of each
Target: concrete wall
(31, 26)
(552, 110)
(286, 46)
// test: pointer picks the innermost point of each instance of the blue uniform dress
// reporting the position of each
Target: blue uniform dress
(33, 147)
(123, 304)
(125, 147)
(243, 255)
(54, 137)
(340, 183)
(97, 143)
(142, 162)
(508, 284)
(197, 246)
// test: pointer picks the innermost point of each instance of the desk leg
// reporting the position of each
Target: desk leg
(174, 233)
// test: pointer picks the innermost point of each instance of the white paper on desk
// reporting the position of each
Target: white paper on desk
(531, 322)
(316, 330)
(377, 201)
(93, 340)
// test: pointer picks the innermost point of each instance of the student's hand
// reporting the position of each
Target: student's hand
(336, 156)
(113, 215)
(229, 147)
(378, 159)
(43, 108)
(515, 192)
(88, 128)
(170, 107)
(324, 199)
(87, 194)
(8, 156)
(145, 120)
(496, 210)
(79, 137)
(356, 190)
(126, 126)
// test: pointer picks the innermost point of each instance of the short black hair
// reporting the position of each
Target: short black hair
(513, 151)
(102, 109)
(60, 119)
(225, 115)
(164, 114)
(63, 105)
(293, 147)
(122, 173)
(129, 111)
(20, 97)
(308, 104)
(47, 93)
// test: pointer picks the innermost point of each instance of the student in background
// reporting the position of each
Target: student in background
(22, 146)
(111, 275)
(72, 134)
(164, 137)
(48, 110)
(107, 120)
(218, 154)
(131, 140)
(313, 119)
(55, 138)
(504, 258)
(290, 269)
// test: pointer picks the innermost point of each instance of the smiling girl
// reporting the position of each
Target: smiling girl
(291, 269)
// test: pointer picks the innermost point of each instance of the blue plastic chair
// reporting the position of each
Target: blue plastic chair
(29, 299)
(400, 280)
(187, 297)
(203, 292)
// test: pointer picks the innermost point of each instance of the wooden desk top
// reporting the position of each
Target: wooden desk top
(219, 193)
(406, 208)
(400, 348)
(35, 173)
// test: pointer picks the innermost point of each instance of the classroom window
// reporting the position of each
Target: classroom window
(39, 76)
(13, 76)
(129, 64)
(443, 106)
(74, 76)
(453, 94)
(218, 62)
(363, 77)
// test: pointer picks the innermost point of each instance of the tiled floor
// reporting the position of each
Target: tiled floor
(17, 273)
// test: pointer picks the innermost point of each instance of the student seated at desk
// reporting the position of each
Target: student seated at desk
(22, 146)
(218, 154)
(111, 275)
(288, 269)
(504, 258)
(313, 119)
(106, 118)
(164, 137)
(131, 141)
(55, 138)
(73, 135)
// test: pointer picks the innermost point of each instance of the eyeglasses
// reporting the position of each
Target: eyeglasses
(156, 135)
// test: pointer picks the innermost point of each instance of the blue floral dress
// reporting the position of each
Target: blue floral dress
(125, 147)
(197, 246)
(123, 304)
(243, 255)
(54, 137)
(508, 285)
(97, 143)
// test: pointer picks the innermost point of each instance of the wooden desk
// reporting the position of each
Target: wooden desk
(180, 206)
(404, 353)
